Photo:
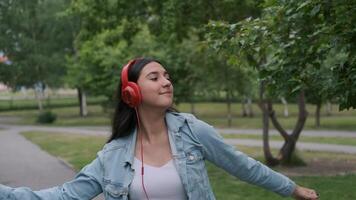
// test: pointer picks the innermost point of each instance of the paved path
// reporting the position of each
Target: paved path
(23, 163)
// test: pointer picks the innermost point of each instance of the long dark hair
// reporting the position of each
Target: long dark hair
(124, 119)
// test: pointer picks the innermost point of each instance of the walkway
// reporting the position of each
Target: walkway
(23, 163)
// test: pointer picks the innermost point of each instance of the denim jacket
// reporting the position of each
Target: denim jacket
(191, 141)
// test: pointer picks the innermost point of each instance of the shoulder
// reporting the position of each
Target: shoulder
(198, 126)
(114, 145)
(197, 123)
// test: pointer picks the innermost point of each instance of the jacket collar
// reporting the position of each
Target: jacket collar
(130, 147)
(174, 122)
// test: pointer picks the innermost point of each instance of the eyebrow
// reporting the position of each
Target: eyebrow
(156, 72)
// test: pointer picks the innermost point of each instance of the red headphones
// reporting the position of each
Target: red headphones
(130, 91)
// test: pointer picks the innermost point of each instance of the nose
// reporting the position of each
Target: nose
(166, 82)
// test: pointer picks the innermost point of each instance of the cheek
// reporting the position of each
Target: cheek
(148, 92)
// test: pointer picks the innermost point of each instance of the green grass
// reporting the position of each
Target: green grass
(212, 113)
(79, 150)
(323, 140)
(327, 122)
(67, 116)
(330, 188)
(219, 110)
(215, 114)
(30, 104)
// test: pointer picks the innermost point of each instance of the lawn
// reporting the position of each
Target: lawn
(322, 140)
(54, 102)
(79, 150)
(213, 113)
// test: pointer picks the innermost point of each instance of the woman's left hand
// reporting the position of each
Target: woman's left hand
(302, 193)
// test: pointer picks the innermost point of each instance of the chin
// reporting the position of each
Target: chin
(160, 105)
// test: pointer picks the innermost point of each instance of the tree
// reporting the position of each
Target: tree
(114, 27)
(35, 41)
(288, 45)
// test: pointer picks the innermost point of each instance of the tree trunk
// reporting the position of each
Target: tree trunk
(244, 108)
(284, 101)
(285, 154)
(270, 160)
(249, 107)
(48, 102)
(317, 115)
(328, 108)
(38, 95)
(247, 110)
(290, 140)
(47, 96)
(11, 100)
(229, 115)
(83, 111)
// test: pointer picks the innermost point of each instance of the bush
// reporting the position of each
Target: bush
(46, 117)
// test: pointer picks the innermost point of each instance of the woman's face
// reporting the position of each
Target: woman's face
(155, 85)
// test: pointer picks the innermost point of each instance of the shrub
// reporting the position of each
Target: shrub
(46, 117)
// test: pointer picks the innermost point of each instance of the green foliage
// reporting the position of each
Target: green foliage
(35, 41)
(297, 45)
(46, 117)
(113, 32)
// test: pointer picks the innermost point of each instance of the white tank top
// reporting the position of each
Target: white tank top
(161, 183)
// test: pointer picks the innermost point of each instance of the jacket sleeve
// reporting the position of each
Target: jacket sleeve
(86, 185)
(237, 163)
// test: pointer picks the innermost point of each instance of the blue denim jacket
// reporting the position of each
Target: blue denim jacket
(191, 140)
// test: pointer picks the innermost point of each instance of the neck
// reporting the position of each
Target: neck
(152, 124)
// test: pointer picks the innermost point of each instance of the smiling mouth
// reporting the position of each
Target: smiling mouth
(166, 93)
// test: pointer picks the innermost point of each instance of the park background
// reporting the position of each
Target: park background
(253, 66)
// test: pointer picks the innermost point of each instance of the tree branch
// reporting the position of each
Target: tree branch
(275, 122)
(302, 116)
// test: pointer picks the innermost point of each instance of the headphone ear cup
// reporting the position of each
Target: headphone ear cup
(131, 94)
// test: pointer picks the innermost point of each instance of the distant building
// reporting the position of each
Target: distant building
(3, 87)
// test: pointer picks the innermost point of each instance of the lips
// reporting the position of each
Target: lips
(168, 92)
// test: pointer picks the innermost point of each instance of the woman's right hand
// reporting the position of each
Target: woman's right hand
(302, 193)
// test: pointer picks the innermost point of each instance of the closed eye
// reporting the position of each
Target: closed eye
(154, 76)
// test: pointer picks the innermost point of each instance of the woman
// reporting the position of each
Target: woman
(157, 153)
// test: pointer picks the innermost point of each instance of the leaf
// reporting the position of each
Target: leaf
(315, 10)
(305, 3)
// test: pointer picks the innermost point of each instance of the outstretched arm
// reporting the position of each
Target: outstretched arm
(244, 167)
(86, 185)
